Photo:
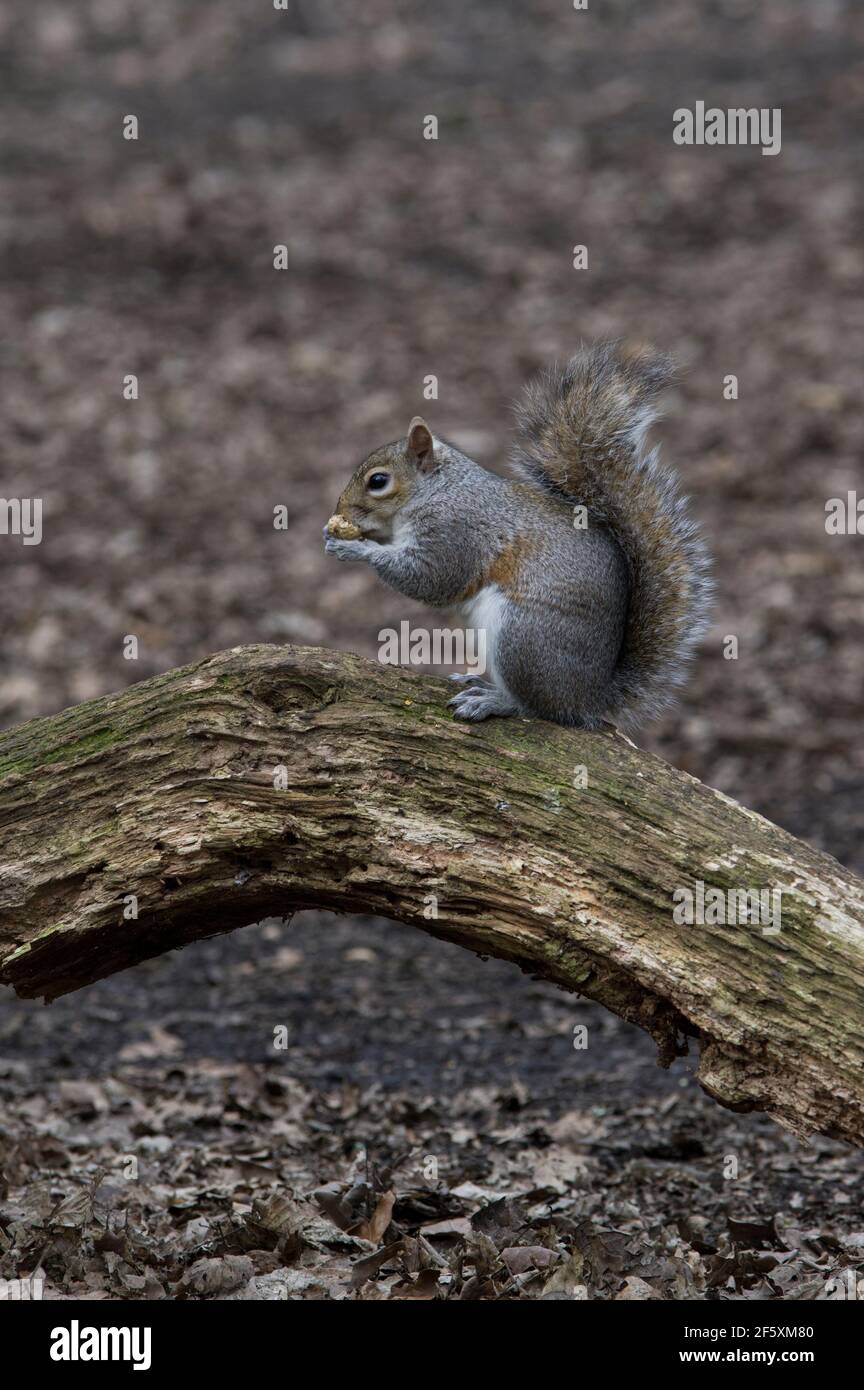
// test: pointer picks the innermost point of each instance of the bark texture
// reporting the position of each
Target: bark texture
(267, 779)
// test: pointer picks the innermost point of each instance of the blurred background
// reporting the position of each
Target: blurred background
(406, 258)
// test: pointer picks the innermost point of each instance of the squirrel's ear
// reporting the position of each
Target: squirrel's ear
(420, 443)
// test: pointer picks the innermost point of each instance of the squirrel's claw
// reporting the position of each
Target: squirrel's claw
(465, 678)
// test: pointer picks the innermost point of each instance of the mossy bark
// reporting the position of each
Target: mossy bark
(267, 779)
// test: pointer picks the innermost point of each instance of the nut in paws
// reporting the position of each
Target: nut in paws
(345, 550)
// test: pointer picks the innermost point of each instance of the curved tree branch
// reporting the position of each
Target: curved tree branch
(267, 779)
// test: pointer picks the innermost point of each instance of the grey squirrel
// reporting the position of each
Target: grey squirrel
(582, 623)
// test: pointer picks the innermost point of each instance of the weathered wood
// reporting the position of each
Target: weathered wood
(170, 791)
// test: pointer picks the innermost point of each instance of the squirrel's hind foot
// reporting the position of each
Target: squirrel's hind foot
(478, 703)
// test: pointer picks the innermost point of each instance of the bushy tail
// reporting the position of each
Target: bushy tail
(581, 433)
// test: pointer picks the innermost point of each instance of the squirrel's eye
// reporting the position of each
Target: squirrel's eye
(376, 482)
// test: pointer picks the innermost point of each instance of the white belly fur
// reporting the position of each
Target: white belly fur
(485, 612)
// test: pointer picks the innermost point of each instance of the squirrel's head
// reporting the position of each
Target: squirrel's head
(387, 479)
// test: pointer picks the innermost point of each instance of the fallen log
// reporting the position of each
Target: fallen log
(268, 779)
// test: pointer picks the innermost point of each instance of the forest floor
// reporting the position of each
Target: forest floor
(428, 1129)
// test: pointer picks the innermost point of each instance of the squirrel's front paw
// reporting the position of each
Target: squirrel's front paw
(347, 550)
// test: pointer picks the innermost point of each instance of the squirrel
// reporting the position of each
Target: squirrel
(584, 622)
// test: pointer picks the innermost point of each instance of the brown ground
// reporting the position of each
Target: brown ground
(259, 388)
